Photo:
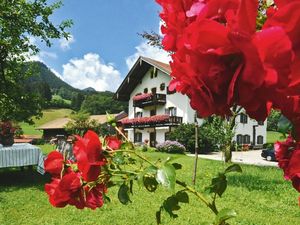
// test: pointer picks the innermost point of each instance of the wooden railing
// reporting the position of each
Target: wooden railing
(155, 99)
(153, 121)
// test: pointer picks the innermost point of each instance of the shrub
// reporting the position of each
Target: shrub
(171, 147)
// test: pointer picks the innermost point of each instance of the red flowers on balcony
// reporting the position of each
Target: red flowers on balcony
(146, 120)
(143, 97)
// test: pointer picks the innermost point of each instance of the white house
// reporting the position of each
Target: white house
(154, 110)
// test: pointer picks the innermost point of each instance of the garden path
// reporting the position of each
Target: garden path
(251, 157)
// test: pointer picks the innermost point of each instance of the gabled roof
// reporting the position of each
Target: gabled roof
(60, 123)
(136, 73)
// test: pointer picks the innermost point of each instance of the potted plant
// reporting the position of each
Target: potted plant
(7, 131)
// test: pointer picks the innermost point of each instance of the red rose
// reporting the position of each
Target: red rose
(113, 142)
(94, 196)
(88, 152)
(54, 163)
(62, 191)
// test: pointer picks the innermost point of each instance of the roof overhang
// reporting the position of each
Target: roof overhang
(136, 73)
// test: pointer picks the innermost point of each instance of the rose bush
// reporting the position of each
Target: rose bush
(84, 182)
(235, 52)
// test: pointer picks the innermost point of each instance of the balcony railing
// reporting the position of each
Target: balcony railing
(152, 121)
(149, 99)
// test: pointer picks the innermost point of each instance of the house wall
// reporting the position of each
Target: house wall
(247, 129)
(184, 110)
(181, 102)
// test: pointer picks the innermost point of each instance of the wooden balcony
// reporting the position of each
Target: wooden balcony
(152, 121)
(149, 99)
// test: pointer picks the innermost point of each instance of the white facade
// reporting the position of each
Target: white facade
(250, 131)
(156, 77)
(176, 100)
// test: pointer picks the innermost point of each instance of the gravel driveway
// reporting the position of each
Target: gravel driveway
(251, 157)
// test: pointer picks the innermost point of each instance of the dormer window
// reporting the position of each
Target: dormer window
(243, 118)
(153, 73)
(162, 86)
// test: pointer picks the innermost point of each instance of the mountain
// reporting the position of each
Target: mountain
(89, 89)
(43, 74)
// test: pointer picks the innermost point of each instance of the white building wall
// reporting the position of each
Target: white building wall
(247, 129)
(183, 109)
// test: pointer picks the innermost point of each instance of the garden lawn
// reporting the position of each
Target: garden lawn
(48, 115)
(273, 136)
(260, 196)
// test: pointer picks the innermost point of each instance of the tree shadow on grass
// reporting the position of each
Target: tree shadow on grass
(15, 178)
(253, 183)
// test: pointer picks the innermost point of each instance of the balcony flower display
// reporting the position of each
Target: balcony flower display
(143, 97)
(146, 120)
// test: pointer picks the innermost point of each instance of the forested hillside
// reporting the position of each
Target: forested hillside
(59, 94)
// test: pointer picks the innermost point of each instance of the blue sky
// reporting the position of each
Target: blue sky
(104, 41)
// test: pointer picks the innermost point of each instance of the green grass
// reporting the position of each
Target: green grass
(58, 97)
(260, 196)
(273, 136)
(48, 115)
(46, 148)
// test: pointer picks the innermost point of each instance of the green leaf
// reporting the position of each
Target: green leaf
(127, 146)
(218, 184)
(223, 215)
(234, 168)
(167, 176)
(284, 125)
(123, 194)
(152, 170)
(150, 183)
(119, 158)
(182, 196)
(177, 166)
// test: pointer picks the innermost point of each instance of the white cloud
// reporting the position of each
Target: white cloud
(65, 44)
(91, 71)
(148, 51)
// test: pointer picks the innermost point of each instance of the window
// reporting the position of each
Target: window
(138, 115)
(260, 123)
(244, 118)
(170, 92)
(246, 139)
(153, 90)
(162, 86)
(167, 134)
(153, 73)
(260, 139)
(171, 111)
(153, 112)
(239, 139)
(138, 137)
(146, 90)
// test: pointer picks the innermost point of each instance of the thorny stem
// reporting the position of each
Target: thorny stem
(121, 133)
(212, 206)
(138, 155)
